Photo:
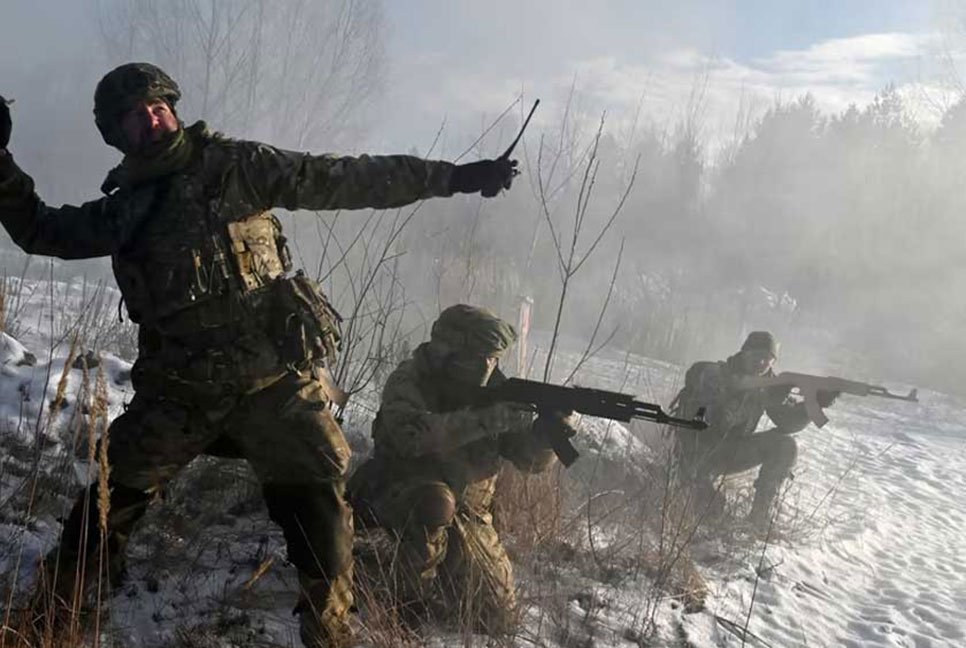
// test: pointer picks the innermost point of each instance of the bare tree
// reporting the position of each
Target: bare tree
(570, 258)
(295, 73)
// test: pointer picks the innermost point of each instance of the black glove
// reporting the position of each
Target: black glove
(5, 124)
(486, 176)
(826, 398)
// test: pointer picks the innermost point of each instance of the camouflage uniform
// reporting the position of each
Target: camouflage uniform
(230, 345)
(731, 443)
(431, 482)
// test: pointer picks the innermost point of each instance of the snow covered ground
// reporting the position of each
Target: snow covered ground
(890, 567)
(875, 553)
(870, 549)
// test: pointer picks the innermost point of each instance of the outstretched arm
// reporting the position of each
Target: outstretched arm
(67, 232)
(294, 180)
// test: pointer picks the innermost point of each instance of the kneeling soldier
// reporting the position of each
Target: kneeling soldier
(731, 443)
(434, 468)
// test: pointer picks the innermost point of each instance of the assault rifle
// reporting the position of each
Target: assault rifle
(541, 397)
(809, 386)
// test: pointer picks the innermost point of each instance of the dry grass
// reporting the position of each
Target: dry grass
(611, 526)
(37, 618)
(382, 622)
(528, 509)
(623, 526)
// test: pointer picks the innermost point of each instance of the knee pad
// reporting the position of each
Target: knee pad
(433, 505)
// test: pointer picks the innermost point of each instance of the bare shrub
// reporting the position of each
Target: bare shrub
(528, 509)
(295, 74)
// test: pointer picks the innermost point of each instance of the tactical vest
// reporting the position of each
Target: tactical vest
(198, 257)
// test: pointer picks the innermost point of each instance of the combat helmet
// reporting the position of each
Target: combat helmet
(471, 328)
(122, 88)
(761, 341)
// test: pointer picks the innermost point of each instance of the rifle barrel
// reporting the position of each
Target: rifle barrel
(912, 396)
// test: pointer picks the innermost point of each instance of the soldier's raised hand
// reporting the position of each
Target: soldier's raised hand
(487, 177)
(6, 125)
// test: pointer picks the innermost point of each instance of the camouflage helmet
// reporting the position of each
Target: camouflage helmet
(479, 330)
(122, 88)
(761, 341)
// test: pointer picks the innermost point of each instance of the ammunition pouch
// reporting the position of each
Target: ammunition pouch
(311, 328)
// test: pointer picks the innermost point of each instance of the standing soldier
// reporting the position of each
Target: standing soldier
(433, 472)
(730, 444)
(229, 344)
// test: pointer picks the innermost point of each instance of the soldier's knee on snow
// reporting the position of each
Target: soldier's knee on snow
(434, 505)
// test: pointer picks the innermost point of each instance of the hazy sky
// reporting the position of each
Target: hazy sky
(454, 59)
(465, 61)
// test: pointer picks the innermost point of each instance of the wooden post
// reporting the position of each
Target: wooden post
(523, 330)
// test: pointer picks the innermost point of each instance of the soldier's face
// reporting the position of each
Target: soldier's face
(147, 123)
(471, 369)
(757, 362)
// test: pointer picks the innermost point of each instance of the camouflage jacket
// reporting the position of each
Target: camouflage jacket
(195, 252)
(732, 412)
(418, 434)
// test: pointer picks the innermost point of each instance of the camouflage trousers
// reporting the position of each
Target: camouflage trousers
(299, 454)
(700, 461)
(449, 558)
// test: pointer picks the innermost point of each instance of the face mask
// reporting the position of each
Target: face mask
(472, 370)
(756, 363)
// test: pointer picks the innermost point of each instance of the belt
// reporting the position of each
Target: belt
(231, 311)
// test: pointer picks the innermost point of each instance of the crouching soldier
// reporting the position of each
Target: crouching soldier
(433, 472)
(731, 443)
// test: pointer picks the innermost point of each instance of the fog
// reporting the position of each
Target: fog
(728, 166)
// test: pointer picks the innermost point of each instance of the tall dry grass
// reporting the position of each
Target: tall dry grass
(41, 480)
